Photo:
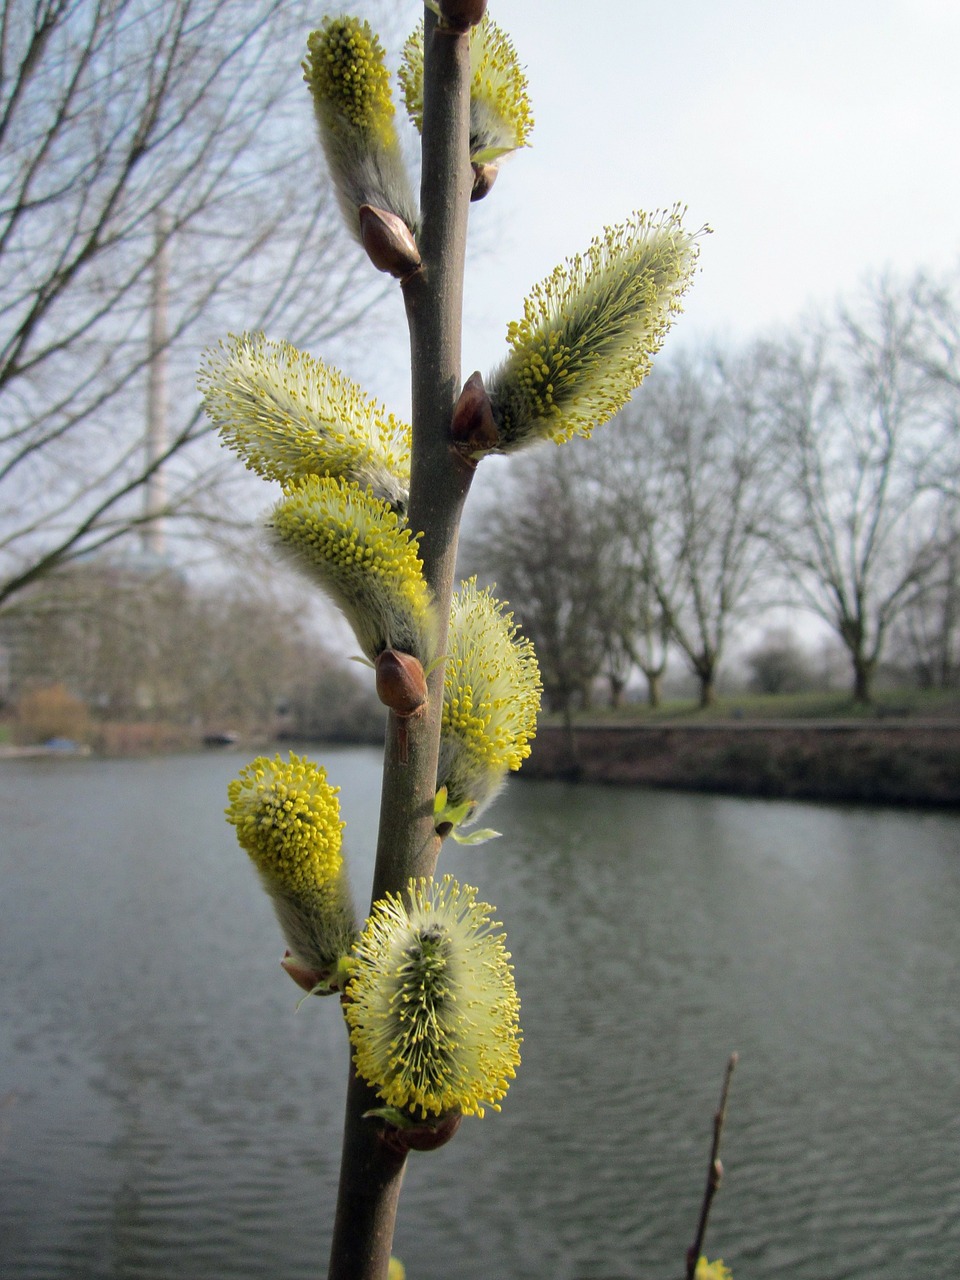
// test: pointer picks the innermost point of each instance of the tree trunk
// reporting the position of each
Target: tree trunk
(863, 670)
(654, 688)
(708, 692)
(617, 687)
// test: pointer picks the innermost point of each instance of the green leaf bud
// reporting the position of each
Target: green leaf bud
(712, 1270)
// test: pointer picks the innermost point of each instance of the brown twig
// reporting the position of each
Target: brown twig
(714, 1170)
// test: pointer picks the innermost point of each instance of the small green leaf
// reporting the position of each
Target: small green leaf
(489, 154)
(476, 837)
(391, 1116)
(432, 666)
(454, 814)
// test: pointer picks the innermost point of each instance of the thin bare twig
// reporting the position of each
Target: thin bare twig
(714, 1170)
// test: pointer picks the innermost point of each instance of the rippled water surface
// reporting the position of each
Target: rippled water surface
(164, 1110)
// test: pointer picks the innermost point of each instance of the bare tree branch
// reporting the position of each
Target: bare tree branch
(858, 416)
(702, 467)
(113, 114)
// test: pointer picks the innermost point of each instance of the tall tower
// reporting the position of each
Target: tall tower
(153, 537)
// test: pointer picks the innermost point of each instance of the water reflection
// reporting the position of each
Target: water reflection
(167, 1112)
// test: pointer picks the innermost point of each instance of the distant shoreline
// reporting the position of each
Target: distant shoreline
(8, 752)
(886, 762)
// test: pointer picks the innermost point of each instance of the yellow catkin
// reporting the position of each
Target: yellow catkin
(491, 698)
(348, 77)
(501, 118)
(287, 818)
(348, 80)
(590, 330)
(432, 1006)
(290, 416)
(366, 559)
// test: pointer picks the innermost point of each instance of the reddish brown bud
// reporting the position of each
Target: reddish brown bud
(473, 427)
(461, 15)
(425, 1135)
(484, 176)
(306, 979)
(389, 242)
(401, 684)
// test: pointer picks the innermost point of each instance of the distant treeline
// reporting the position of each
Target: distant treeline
(123, 643)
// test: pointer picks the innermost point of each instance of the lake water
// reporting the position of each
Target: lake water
(165, 1110)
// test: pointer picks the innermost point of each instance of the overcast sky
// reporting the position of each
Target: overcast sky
(820, 140)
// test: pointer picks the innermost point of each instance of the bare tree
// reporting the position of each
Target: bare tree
(134, 135)
(567, 551)
(635, 630)
(926, 635)
(694, 489)
(648, 535)
(936, 354)
(541, 542)
(137, 645)
(861, 431)
(632, 629)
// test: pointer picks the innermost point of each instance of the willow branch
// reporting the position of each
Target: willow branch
(371, 1174)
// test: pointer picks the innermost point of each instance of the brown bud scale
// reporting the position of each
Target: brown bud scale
(427, 1135)
(472, 426)
(389, 242)
(306, 979)
(461, 15)
(401, 684)
(484, 176)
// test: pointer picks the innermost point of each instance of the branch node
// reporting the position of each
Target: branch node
(473, 428)
(389, 242)
(458, 16)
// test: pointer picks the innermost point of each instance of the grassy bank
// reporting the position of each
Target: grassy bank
(934, 704)
(904, 749)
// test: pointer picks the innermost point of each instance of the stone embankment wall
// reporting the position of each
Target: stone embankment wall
(884, 762)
